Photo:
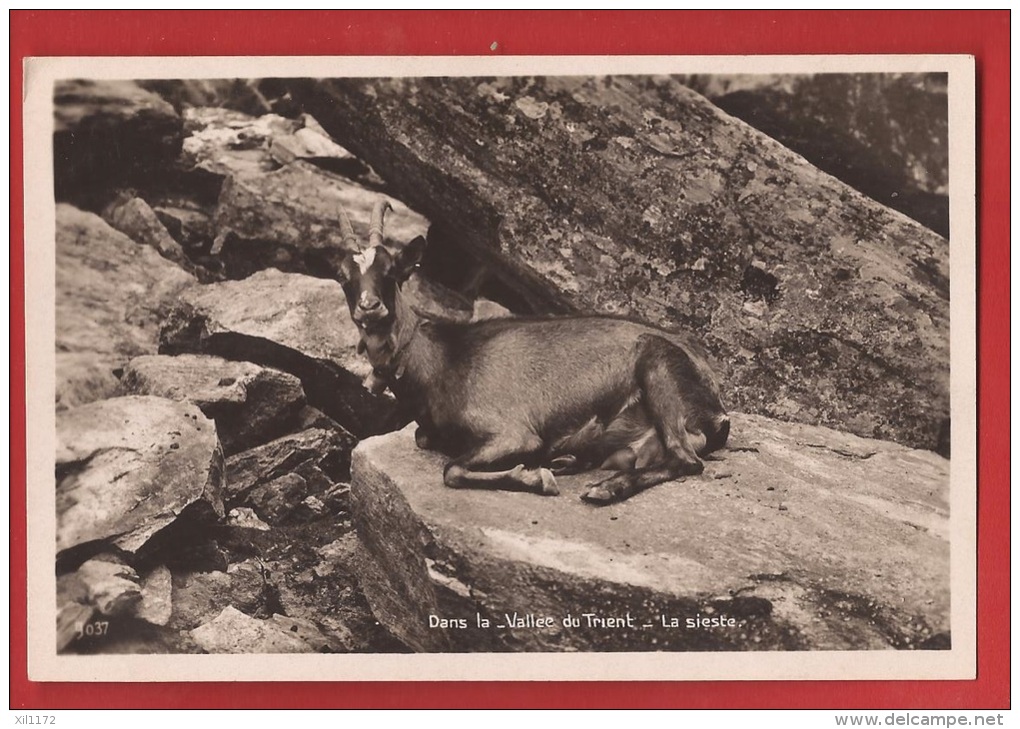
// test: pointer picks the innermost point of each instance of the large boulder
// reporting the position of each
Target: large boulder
(885, 134)
(249, 403)
(795, 537)
(635, 195)
(129, 466)
(111, 294)
(295, 323)
(110, 133)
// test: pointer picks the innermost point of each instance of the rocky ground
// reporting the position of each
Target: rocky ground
(225, 483)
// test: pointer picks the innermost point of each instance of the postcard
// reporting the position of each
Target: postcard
(503, 368)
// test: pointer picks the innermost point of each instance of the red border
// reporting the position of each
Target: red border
(984, 34)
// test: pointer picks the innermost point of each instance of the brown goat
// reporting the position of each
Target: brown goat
(515, 401)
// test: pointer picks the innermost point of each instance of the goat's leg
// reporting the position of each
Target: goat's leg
(669, 394)
(673, 401)
(622, 460)
(623, 485)
(483, 467)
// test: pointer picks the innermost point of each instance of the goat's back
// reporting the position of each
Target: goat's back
(553, 373)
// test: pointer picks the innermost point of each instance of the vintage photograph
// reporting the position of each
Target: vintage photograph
(581, 362)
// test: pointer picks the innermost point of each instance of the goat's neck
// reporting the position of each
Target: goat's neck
(415, 355)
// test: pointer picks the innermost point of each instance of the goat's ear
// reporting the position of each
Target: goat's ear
(409, 257)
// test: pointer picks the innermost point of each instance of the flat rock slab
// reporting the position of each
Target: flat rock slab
(305, 314)
(128, 466)
(795, 537)
(111, 295)
(288, 321)
(251, 404)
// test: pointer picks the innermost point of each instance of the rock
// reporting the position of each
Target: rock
(189, 222)
(814, 539)
(112, 587)
(234, 632)
(309, 417)
(636, 196)
(312, 508)
(283, 218)
(133, 217)
(337, 498)
(308, 632)
(127, 467)
(244, 518)
(227, 142)
(72, 611)
(348, 620)
(236, 94)
(250, 404)
(276, 477)
(275, 500)
(306, 143)
(111, 294)
(485, 309)
(157, 597)
(291, 322)
(109, 134)
(84, 377)
(200, 597)
(224, 142)
(885, 134)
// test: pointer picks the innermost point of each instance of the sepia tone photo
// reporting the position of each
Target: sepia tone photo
(645, 364)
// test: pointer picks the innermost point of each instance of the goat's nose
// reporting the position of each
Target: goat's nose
(369, 303)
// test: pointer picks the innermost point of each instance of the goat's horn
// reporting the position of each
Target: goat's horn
(350, 240)
(375, 229)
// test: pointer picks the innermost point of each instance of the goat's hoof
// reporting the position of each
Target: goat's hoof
(599, 495)
(564, 465)
(549, 487)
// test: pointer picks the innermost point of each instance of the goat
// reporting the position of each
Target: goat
(516, 401)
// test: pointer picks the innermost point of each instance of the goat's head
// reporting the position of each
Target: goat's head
(371, 279)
